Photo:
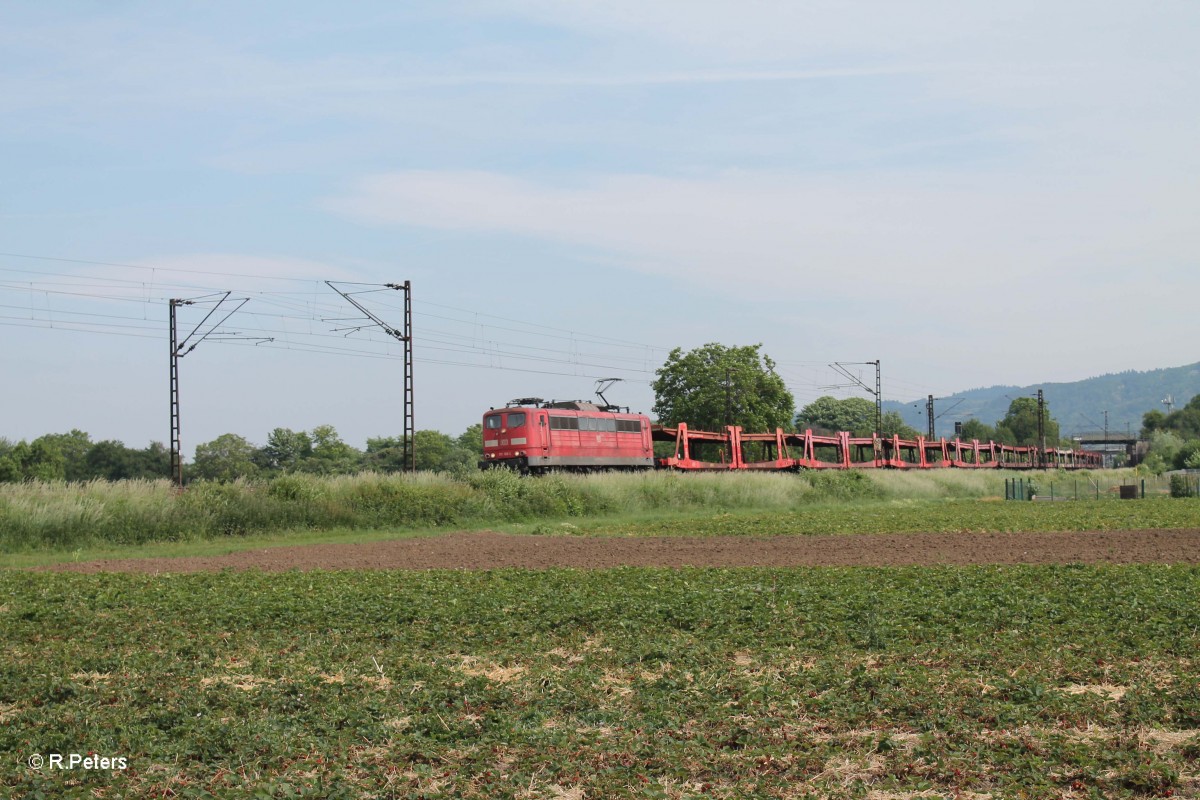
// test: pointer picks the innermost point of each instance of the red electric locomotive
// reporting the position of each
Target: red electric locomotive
(534, 436)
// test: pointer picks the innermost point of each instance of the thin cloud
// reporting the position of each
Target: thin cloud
(682, 77)
(793, 231)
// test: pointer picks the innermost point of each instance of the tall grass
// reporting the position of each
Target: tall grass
(36, 516)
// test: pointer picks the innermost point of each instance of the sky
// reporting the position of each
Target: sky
(972, 193)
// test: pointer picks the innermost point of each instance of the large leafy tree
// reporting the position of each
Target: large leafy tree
(225, 458)
(113, 461)
(892, 424)
(1020, 424)
(286, 450)
(385, 454)
(74, 447)
(1185, 422)
(330, 455)
(715, 385)
(40, 461)
(435, 450)
(432, 450)
(974, 429)
(830, 415)
(471, 439)
(854, 414)
(154, 461)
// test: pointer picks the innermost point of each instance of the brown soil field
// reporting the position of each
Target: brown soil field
(490, 550)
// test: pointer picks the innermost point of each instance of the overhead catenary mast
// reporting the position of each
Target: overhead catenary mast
(840, 368)
(179, 349)
(403, 335)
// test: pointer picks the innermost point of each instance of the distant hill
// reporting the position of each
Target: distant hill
(1078, 406)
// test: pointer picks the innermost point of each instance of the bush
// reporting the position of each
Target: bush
(1183, 486)
(843, 485)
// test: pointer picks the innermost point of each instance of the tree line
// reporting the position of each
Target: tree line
(708, 387)
(1174, 438)
(74, 456)
(714, 386)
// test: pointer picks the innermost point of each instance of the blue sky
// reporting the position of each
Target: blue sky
(973, 193)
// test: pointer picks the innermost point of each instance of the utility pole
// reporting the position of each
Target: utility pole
(929, 414)
(404, 336)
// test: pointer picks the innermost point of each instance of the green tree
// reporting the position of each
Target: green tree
(74, 447)
(113, 461)
(471, 440)
(1185, 422)
(1020, 424)
(225, 458)
(830, 415)
(1160, 454)
(1151, 422)
(40, 461)
(973, 429)
(1188, 456)
(892, 424)
(432, 450)
(286, 450)
(715, 385)
(330, 455)
(153, 461)
(385, 454)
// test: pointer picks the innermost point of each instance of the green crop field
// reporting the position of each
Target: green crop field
(872, 683)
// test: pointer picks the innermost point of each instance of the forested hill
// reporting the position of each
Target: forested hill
(1078, 406)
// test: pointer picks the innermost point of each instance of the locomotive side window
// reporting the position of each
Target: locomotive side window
(492, 423)
(629, 426)
(516, 420)
(564, 423)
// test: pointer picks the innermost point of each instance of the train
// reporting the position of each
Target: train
(534, 436)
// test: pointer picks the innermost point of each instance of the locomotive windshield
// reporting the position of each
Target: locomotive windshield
(492, 423)
(516, 420)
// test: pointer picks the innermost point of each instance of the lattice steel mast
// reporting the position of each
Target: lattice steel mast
(840, 368)
(179, 349)
(404, 336)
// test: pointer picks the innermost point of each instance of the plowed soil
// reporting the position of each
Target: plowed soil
(490, 550)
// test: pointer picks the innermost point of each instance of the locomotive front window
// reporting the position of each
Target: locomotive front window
(492, 423)
(516, 420)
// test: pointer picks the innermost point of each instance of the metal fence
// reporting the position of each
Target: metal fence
(1094, 487)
